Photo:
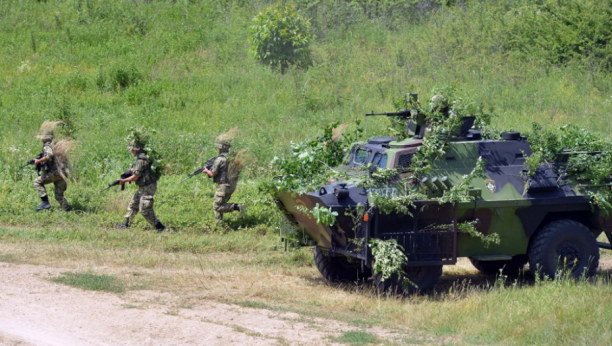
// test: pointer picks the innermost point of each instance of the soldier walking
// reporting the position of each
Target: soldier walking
(226, 179)
(146, 181)
(52, 169)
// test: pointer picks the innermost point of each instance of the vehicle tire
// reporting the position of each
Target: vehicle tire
(424, 277)
(564, 241)
(338, 269)
(510, 267)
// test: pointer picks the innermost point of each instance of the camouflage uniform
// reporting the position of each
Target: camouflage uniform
(147, 185)
(51, 175)
(224, 189)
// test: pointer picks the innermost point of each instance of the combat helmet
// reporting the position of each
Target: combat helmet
(224, 140)
(47, 130)
(134, 145)
(137, 139)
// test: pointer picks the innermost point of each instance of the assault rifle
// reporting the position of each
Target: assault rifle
(31, 162)
(124, 175)
(208, 165)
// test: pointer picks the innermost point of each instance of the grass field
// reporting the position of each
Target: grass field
(183, 68)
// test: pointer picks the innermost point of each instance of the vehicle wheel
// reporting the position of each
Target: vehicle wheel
(510, 267)
(338, 269)
(424, 277)
(564, 244)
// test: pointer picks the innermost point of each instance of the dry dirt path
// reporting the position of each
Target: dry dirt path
(37, 311)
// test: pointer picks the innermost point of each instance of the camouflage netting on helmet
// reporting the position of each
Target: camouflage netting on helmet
(140, 139)
(60, 151)
(224, 140)
(47, 130)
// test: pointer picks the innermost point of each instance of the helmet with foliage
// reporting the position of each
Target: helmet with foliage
(137, 139)
(224, 140)
(140, 139)
(47, 130)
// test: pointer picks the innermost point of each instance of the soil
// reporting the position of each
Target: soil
(37, 311)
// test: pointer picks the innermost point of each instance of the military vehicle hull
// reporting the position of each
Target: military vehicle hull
(521, 209)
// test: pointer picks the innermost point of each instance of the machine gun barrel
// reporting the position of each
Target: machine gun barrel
(402, 113)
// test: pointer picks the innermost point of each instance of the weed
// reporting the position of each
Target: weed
(357, 338)
(92, 282)
(8, 258)
(130, 306)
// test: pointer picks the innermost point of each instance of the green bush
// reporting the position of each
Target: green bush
(280, 37)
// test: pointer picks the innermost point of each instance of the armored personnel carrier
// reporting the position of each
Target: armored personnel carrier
(544, 218)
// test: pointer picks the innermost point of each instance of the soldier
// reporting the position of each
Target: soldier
(438, 103)
(142, 200)
(51, 170)
(225, 180)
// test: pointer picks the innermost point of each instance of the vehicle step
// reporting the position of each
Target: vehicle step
(606, 246)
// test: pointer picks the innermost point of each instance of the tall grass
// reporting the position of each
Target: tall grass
(183, 68)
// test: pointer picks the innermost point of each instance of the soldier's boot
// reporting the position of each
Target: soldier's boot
(66, 206)
(241, 208)
(123, 225)
(44, 205)
(160, 227)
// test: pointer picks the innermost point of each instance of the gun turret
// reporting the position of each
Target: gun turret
(415, 121)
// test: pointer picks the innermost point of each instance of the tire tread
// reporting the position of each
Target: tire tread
(547, 235)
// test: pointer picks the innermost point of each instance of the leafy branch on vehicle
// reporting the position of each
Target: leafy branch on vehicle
(443, 116)
(469, 228)
(312, 162)
(580, 155)
(389, 260)
(323, 215)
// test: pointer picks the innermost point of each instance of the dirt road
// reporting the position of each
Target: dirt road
(37, 311)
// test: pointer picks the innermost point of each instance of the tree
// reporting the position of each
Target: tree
(280, 37)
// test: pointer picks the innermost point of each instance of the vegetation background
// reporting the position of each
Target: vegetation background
(184, 68)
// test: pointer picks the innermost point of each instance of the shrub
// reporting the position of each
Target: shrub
(280, 37)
